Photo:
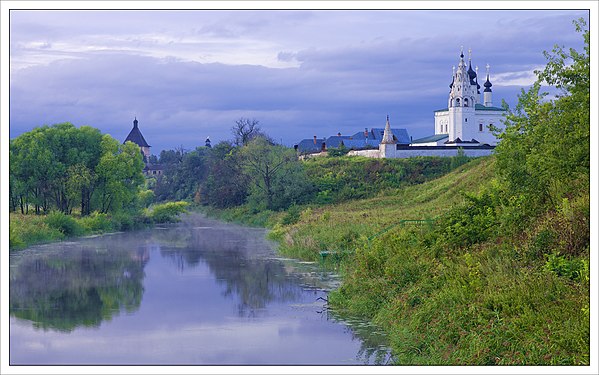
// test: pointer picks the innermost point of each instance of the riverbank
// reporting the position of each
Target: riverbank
(31, 229)
(453, 274)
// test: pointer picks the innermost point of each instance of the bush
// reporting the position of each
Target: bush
(572, 268)
(473, 222)
(292, 216)
(97, 223)
(27, 230)
(66, 224)
(459, 159)
(167, 212)
(146, 198)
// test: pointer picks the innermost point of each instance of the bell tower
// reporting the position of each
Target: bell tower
(463, 97)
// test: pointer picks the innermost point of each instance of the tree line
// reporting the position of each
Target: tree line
(249, 169)
(62, 167)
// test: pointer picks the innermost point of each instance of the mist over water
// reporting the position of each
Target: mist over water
(198, 292)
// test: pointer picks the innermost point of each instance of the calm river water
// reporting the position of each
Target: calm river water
(199, 292)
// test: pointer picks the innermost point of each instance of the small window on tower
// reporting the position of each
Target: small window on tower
(466, 119)
(480, 127)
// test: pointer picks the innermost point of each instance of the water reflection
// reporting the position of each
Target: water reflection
(76, 286)
(202, 283)
(238, 263)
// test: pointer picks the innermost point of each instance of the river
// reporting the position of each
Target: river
(200, 292)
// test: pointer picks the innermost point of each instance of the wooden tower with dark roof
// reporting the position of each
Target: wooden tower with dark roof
(136, 137)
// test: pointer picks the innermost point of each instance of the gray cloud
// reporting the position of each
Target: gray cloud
(400, 65)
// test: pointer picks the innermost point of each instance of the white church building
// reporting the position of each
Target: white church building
(466, 121)
(465, 124)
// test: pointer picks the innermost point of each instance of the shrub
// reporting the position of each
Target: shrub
(66, 224)
(292, 216)
(572, 268)
(167, 212)
(97, 223)
(468, 224)
(146, 198)
(459, 159)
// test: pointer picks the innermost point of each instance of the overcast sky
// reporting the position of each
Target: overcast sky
(190, 74)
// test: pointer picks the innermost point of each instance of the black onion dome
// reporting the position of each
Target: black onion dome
(471, 74)
(487, 85)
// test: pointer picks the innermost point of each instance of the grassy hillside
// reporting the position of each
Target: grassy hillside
(480, 286)
(344, 226)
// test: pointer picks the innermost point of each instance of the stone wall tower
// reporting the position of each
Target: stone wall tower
(136, 137)
(387, 147)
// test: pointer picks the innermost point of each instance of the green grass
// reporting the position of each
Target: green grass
(27, 230)
(346, 225)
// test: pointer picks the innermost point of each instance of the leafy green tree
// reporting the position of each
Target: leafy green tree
(119, 174)
(225, 184)
(544, 152)
(275, 174)
(48, 162)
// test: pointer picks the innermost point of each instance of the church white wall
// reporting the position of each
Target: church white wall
(413, 152)
(494, 118)
(366, 153)
(441, 122)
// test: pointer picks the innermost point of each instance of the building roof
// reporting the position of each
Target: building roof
(477, 107)
(307, 146)
(400, 134)
(480, 107)
(431, 138)
(458, 140)
(360, 144)
(336, 140)
(136, 137)
(361, 135)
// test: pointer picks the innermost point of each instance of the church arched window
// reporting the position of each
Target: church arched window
(480, 127)
(457, 102)
(465, 102)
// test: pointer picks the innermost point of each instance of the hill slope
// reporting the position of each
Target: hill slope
(478, 287)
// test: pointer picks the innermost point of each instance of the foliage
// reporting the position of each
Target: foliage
(183, 174)
(97, 223)
(574, 268)
(459, 159)
(64, 223)
(167, 212)
(225, 184)
(62, 167)
(472, 222)
(544, 151)
(276, 176)
(337, 151)
(25, 230)
(342, 178)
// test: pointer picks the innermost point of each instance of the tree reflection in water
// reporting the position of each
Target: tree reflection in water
(77, 285)
(242, 263)
(64, 286)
